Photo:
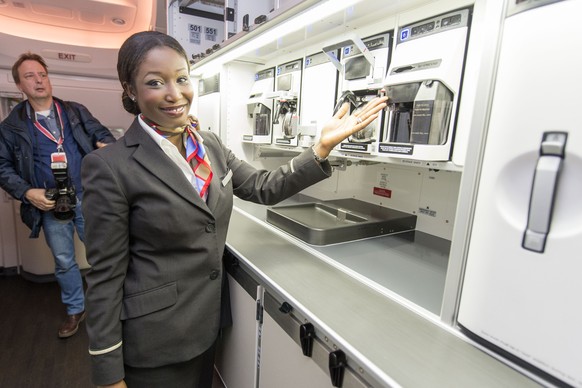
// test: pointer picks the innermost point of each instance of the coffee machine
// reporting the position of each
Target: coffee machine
(423, 85)
(260, 108)
(286, 96)
(362, 68)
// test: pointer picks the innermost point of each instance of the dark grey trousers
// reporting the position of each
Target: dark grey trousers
(196, 373)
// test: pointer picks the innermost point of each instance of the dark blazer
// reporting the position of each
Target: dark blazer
(155, 247)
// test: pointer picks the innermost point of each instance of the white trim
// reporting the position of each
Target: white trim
(104, 351)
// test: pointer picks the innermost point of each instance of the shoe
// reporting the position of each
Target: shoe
(71, 325)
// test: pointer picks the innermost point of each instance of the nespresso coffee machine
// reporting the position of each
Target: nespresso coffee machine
(260, 108)
(423, 85)
(286, 97)
(419, 112)
(362, 68)
(357, 100)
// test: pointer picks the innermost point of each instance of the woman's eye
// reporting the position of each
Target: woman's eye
(154, 83)
(183, 80)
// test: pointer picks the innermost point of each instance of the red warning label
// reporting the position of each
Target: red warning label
(382, 192)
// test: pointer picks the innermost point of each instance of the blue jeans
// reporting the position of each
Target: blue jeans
(60, 239)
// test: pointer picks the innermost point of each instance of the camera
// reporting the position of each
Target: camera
(64, 194)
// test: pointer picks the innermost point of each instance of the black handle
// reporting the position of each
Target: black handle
(245, 21)
(337, 366)
(306, 337)
(347, 96)
(285, 308)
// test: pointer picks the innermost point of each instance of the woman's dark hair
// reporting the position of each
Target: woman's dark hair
(131, 55)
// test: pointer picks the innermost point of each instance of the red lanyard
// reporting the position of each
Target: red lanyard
(47, 133)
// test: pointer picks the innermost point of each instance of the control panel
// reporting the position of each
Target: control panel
(434, 25)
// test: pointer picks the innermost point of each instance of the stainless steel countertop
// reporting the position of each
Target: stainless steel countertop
(394, 342)
(410, 267)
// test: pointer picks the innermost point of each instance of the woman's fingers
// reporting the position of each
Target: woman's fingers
(342, 111)
(370, 112)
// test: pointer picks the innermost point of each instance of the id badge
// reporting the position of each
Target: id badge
(58, 160)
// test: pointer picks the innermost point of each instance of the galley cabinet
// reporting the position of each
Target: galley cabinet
(271, 344)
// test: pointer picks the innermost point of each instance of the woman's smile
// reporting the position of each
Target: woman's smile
(175, 110)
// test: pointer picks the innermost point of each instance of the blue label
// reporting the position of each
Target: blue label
(404, 34)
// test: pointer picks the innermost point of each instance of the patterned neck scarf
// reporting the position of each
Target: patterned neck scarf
(196, 154)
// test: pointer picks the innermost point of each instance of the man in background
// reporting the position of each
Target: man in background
(42, 143)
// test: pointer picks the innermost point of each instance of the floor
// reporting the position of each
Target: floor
(32, 355)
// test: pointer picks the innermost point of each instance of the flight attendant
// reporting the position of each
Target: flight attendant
(157, 208)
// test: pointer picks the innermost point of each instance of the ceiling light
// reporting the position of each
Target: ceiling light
(118, 21)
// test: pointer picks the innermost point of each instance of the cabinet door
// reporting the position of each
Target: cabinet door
(8, 246)
(235, 359)
(262, 349)
(522, 286)
(283, 364)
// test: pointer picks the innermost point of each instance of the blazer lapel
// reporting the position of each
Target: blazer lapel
(153, 159)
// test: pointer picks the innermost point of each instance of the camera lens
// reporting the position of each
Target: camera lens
(64, 210)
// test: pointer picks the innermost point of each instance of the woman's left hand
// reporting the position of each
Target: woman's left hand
(340, 126)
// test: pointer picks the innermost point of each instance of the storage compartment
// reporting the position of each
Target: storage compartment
(330, 222)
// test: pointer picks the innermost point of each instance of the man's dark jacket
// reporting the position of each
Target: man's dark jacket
(16, 153)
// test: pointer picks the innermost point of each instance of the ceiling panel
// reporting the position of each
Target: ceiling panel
(78, 22)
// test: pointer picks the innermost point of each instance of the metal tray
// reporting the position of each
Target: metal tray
(331, 222)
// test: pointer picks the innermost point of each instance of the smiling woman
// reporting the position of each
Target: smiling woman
(157, 291)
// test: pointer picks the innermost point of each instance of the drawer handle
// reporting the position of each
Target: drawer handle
(543, 192)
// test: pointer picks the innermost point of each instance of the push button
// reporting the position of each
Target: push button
(214, 274)
(210, 228)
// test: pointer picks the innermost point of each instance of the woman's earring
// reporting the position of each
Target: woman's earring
(132, 98)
